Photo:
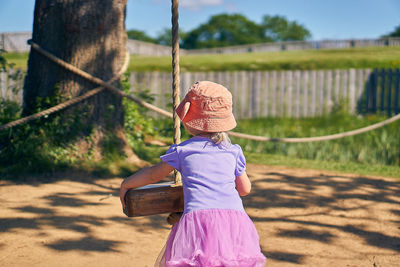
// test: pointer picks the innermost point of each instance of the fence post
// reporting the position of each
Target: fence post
(266, 95)
(243, 94)
(360, 74)
(352, 89)
(396, 86)
(297, 75)
(321, 91)
(389, 93)
(337, 86)
(282, 94)
(305, 92)
(382, 98)
(289, 95)
(257, 99)
(374, 92)
(235, 93)
(313, 93)
(274, 83)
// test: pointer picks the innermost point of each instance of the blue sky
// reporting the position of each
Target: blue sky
(326, 19)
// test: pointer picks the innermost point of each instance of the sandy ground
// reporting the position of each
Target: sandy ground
(304, 218)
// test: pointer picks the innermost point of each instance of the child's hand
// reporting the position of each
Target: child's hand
(122, 192)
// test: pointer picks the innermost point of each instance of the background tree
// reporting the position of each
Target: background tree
(165, 37)
(140, 36)
(224, 30)
(279, 29)
(91, 35)
(395, 33)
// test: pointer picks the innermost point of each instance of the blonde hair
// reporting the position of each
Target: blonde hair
(217, 138)
(220, 137)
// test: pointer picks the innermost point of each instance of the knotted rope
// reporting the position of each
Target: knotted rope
(175, 79)
(67, 103)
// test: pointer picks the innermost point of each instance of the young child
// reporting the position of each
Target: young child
(214, 229)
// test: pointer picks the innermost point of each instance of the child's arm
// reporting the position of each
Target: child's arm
(243, 184)
(143, 177)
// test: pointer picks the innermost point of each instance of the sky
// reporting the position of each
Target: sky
(325, 19)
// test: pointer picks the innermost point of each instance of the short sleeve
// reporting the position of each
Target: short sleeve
(171, 157)
(240, 163)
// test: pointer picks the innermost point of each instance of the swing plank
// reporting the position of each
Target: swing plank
(154, 199)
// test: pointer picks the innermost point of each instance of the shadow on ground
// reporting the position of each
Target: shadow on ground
(335, 196)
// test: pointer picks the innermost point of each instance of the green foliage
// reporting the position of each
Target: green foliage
(230, 29)
(137, 123)
(224, 30)
(279, 29)
(381, 146)
(3, 61)
(140, 36)
(394, 33)
(345, 167)
(45, 145)
(165, 37)
(38, 146)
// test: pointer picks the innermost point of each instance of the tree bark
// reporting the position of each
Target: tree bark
(91, 36)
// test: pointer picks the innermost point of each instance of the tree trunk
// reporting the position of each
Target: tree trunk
(91, 36)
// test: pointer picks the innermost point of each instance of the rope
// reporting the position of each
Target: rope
(169, 114)
(175, 79)
(67, 103)
(318, 138)
(97, 80)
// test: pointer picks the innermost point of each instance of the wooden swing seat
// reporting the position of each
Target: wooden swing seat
(154, 199)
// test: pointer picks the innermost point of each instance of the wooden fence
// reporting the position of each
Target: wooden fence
(288, 93)
(272, 93)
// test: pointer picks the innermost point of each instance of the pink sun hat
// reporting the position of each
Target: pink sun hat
(207, 107)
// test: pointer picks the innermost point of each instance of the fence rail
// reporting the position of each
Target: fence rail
(270, 93)
(16, 42)
(298, 45)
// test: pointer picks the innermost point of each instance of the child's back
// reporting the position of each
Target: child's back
(208, 173)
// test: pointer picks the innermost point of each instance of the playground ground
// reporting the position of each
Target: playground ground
(304, 218)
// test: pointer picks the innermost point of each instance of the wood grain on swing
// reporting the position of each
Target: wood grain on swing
(154, 199)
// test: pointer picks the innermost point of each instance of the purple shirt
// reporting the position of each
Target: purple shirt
(208, 173)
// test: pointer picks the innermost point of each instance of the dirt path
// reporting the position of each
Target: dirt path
(304, 218)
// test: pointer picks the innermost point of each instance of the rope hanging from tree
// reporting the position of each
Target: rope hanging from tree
(175, 80)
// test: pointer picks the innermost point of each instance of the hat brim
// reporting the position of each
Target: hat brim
(212, 125)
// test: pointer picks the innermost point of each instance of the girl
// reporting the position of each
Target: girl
(214, 229)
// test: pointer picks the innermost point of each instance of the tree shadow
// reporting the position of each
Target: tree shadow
(381, 93)
(323, 236)
(300, 195)
(87, 243)
(49, 215)
(284, 257)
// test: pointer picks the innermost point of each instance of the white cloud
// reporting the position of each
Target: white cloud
(196, 5)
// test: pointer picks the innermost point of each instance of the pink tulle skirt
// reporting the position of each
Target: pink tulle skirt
(211, 238)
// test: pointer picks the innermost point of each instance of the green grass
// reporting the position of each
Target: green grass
(19, 60)
(343, 167)
(378, 147)
(371, 57)
(368, 57)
